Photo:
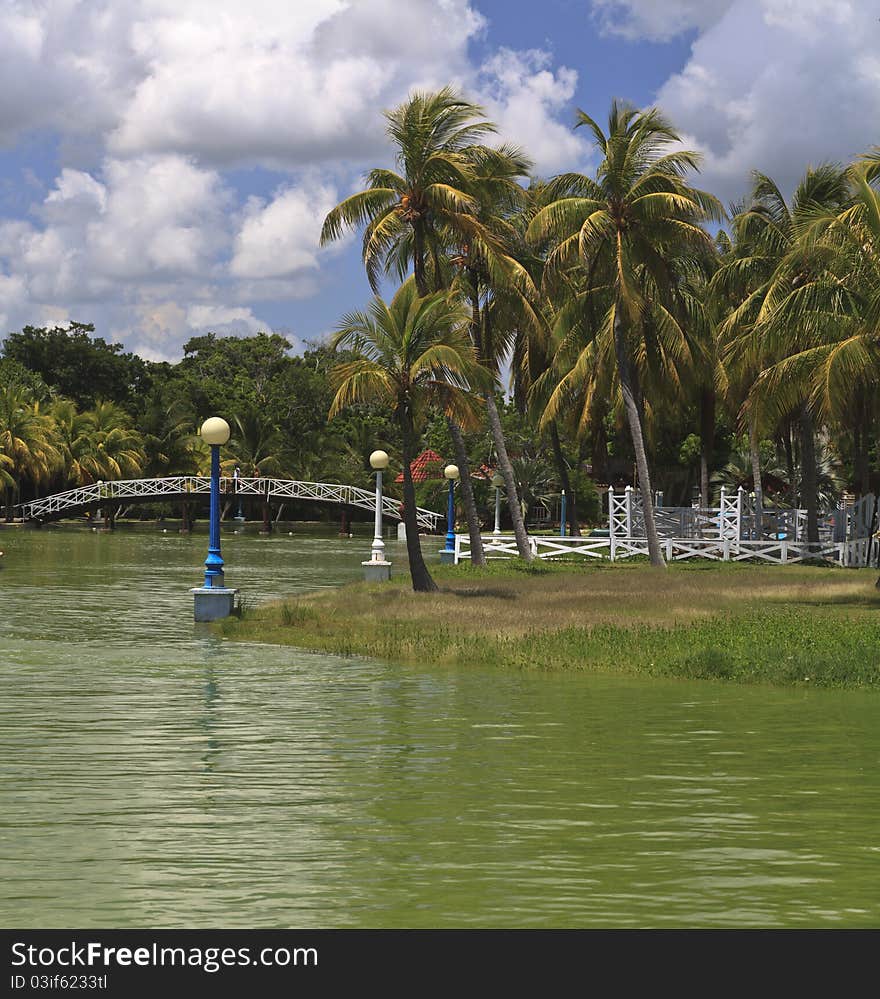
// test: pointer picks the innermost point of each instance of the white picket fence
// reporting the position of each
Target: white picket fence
(855, 553)
(723, 534)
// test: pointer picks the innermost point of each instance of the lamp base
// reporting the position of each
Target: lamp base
(446, 557)
(213, 602)
(376, 571)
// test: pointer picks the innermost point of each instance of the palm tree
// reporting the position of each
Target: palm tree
(624, 228)
(402, 213)
(6, 480)
(170, 440)
(255, 443)
(410, 354)
(77, 443)
(119, 446)
(783, 322)
(27, 440)
(500, 293)
(408, 217)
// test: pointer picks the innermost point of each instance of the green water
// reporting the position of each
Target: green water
(155, 775)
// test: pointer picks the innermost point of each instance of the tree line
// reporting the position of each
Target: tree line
(610, 294)
(617, 326)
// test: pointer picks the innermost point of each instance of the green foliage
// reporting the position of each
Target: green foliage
(79, 366)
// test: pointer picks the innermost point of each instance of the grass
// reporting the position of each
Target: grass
(815, 626)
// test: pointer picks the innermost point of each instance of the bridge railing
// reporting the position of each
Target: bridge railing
(180, 486)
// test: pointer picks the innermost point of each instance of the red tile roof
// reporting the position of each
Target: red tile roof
(428, 465)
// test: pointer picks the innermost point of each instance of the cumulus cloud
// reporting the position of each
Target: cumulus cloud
(159, 109)
(66, 65)
(280, 237)
(287, 84)
(657, 21)
(524, 95)
(776, 85)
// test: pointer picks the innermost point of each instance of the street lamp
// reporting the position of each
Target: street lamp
(562, 516)
(378, 568)
(451, 474)
(497, 482)
(214, 600)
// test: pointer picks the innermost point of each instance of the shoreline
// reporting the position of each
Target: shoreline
(784, 625)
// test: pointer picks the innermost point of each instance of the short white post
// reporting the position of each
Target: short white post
(669, 549)
(739, 512)
(629, 511)
(725, 550)
(497, 482)
(610, 512)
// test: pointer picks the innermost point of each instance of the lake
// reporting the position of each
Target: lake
(155, 774)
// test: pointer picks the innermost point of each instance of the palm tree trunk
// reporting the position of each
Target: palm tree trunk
(789, 463)
(809, 485)
(755, 457)
(504, 465)
(422, 581)
(562, 467)
(629, 392)
(513, 504)
(599, 450)
(419, 260)
(707, 441)
(478, 556)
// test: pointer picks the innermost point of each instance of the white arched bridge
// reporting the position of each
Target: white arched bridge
(178, 488)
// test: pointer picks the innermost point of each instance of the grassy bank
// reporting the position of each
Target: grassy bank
(801, 625)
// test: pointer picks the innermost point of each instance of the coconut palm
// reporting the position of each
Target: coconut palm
(432, 205)
(119, 451)
(77, 443)
(6, 480)
(500, 292)
(170, 440)
(411, 353)
(27, 440)
(434, 135)
(624, 228)
(407, 216)
(783, 322)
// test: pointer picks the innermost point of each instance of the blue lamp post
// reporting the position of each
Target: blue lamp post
(562, 516)
(448, 553)
(214, 600)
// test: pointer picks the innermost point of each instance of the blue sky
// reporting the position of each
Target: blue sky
(165, 165)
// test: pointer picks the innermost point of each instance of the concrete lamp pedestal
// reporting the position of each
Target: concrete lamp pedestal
(377, 570)
(447, 557)
(213, 602)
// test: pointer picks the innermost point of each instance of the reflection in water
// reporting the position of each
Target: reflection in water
(210, 720)
(155, 774)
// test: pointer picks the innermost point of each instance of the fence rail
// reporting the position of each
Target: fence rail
(854, 553)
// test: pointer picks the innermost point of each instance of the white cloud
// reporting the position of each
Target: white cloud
(164, 217)
(523, 95)
(657, 20)
(284, 83)
(777, 85)
(224, 320)
(281, 238)
(151, 225)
